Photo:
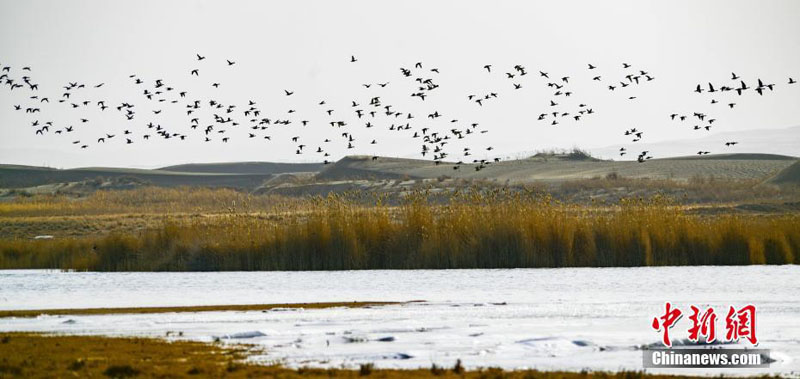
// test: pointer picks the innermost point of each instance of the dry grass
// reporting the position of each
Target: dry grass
(496, 228)
(147, 200)
(696, 190)
(46, 356)
(192, 308)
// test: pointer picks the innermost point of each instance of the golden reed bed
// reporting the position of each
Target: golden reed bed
(497, 228)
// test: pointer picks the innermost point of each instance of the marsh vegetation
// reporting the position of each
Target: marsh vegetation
(469, 228)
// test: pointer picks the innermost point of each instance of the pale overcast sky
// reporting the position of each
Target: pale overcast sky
(305, 47)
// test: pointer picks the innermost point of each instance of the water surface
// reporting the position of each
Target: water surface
(571, 318)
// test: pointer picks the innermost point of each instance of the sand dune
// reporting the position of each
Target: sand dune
(245, 167)
(552, 168)
(789, 175)
(729, 166)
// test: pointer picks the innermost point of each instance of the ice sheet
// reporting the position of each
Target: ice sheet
(576, 318)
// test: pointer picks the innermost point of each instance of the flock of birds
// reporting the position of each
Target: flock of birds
(722, 93)
(211, 120)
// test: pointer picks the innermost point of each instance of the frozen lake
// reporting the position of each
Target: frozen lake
(571, 318)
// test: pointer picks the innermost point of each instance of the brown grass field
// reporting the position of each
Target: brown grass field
(54, 356)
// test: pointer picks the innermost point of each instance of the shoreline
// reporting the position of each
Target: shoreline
(48, 355)
(27, 313)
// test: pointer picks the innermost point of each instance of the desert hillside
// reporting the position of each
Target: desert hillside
(245, 167)
(788, 176)
(550, 168)
(539, 168)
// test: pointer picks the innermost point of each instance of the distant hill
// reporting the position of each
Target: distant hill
(246, 167)
(554, 168)
(365, 167)
(789, 175)
(739, 156)
(15, 176)
(784, 141)
(542, 168)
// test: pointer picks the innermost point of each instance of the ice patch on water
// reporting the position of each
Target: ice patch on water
(244, 335)
(555, 345)
(380, 357)
(283, 309)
